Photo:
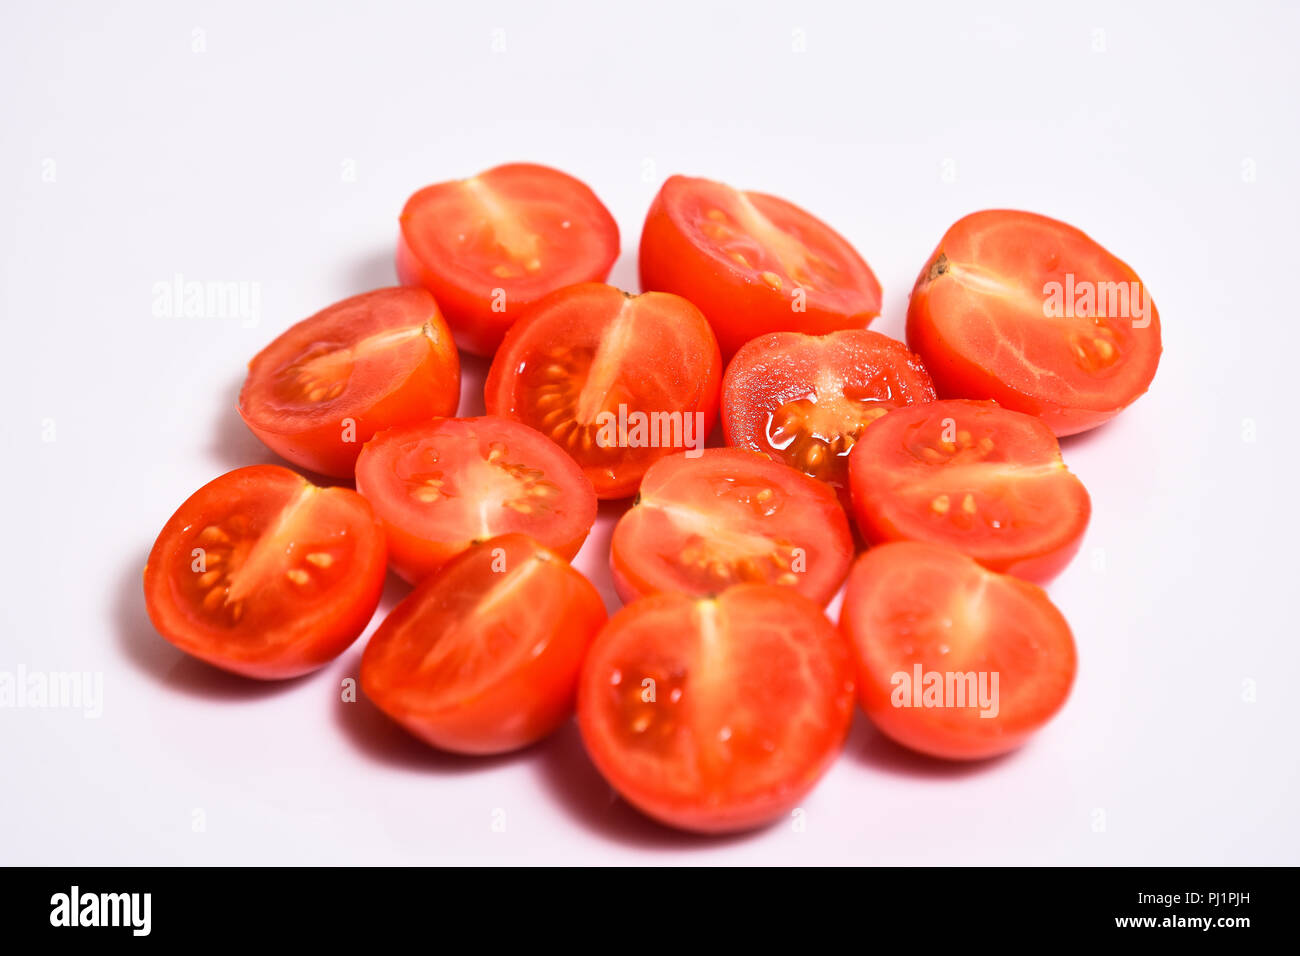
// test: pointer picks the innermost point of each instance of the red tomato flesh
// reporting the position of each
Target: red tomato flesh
(1035, 315)
(804, 399)
(954, 660)
(617, 380)
(489, 246)
(484, 657)
(716, 714)
(730, 516)
(322, 389)
(447, 484)
(753, 263)
(984, 480)
(264, 574)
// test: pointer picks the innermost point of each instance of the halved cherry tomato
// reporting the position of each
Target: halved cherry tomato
(730, 516)
(716, 714)
(804, 399)
(753, 263)
(617, 380)
(489, 246)
(264, 574)
(1035, 315)
(321, 390)
(983, 479)
(954, 660)
(447, 484)
(484, 657)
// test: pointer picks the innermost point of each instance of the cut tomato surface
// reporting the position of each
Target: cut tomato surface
(484, 657)
(730, 516)
(490, 245)
(1033, 314)
(954, 660)
(985, 480)
(262, 573)
(716, 714)
(753, 263)
(321, 390)
(447, 484)
(804, 399)
(617, 380)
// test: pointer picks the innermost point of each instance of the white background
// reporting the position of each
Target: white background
(214, 140)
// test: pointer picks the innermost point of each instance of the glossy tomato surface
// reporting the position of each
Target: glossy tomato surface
(484, 656)
(985, 480)
(954, 660)
(804, 399)
(753, 263)
(617, 380)
(730, 516)
(491, 245)
(447, 484)
(1033, 314)
(321, 390)
(264, 574)
(716, 714)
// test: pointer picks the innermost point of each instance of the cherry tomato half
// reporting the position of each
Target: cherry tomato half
(484, 656)
(730, 516)
(753, 263)
(804, 399)
(617, 380)
(262, 573)
(1035, 315)
(491, 245)
(716, 714)
(447, 484)
(985, 480)
(321, 390)
(954, 660)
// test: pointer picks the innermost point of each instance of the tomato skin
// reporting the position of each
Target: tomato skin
(669, 364)
(897, 601)
(468, 292)
(960, 363)
(409, 382)
(424, 533)
(675, 257)
(675, 536)
(465, 704)
(753, 699)
(1028, 512)
(278, 637)
(828, 388)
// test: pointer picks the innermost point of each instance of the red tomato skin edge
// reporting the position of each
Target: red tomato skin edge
(339, 639)
(958, 377)
(896, 724)
(664, 262)
(454, 727)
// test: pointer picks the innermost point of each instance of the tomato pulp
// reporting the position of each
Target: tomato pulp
(987, 481)
(954, 660)
(753, 263)
(321, 390)
(490, 245)
(484, 657)
(447, 484)
(805, 399)
(617, 380)
(264, 574)
(1033, 314)
(716, 714)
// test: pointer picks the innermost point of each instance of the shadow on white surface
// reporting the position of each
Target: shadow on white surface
(871, 748)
